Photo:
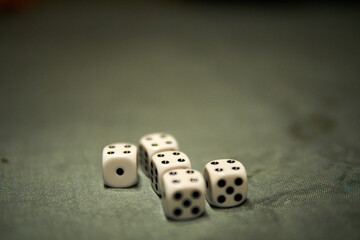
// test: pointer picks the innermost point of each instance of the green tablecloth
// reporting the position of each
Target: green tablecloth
(276, 88)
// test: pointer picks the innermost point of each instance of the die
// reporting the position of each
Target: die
(183, 194)
(154, 143)
(119, 165)
(163, 162)
(226, 182)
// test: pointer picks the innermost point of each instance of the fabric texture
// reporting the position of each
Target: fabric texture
(277, 89)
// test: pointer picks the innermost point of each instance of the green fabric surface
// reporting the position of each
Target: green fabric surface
(277, 89)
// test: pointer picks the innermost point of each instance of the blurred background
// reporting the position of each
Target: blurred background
(272, 84)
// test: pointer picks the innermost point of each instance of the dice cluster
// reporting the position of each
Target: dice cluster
(182, 189)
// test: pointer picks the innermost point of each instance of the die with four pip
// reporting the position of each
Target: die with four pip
(154, 143)
(183, 189)
(163, 162)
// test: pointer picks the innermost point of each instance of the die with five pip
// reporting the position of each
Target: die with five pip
(226, 182)
(183, 194)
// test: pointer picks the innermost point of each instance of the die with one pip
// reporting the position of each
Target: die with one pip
(119, 165)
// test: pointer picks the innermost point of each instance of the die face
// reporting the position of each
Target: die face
(119, 165)
(154, 143)
(143, 159)
(183, 194)
(226, 182)
(164, 161)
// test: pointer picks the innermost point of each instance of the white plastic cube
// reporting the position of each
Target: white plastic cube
(183, 194)
(154, 143)
(119, 165)
(162, 162)
(226, 182)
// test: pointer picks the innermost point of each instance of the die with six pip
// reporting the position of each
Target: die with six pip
(226, 182)
(119, 165)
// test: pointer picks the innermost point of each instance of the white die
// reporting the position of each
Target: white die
(226, 182)
(162, 162)
(119, 165)
(183, 194)
(154, 143)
